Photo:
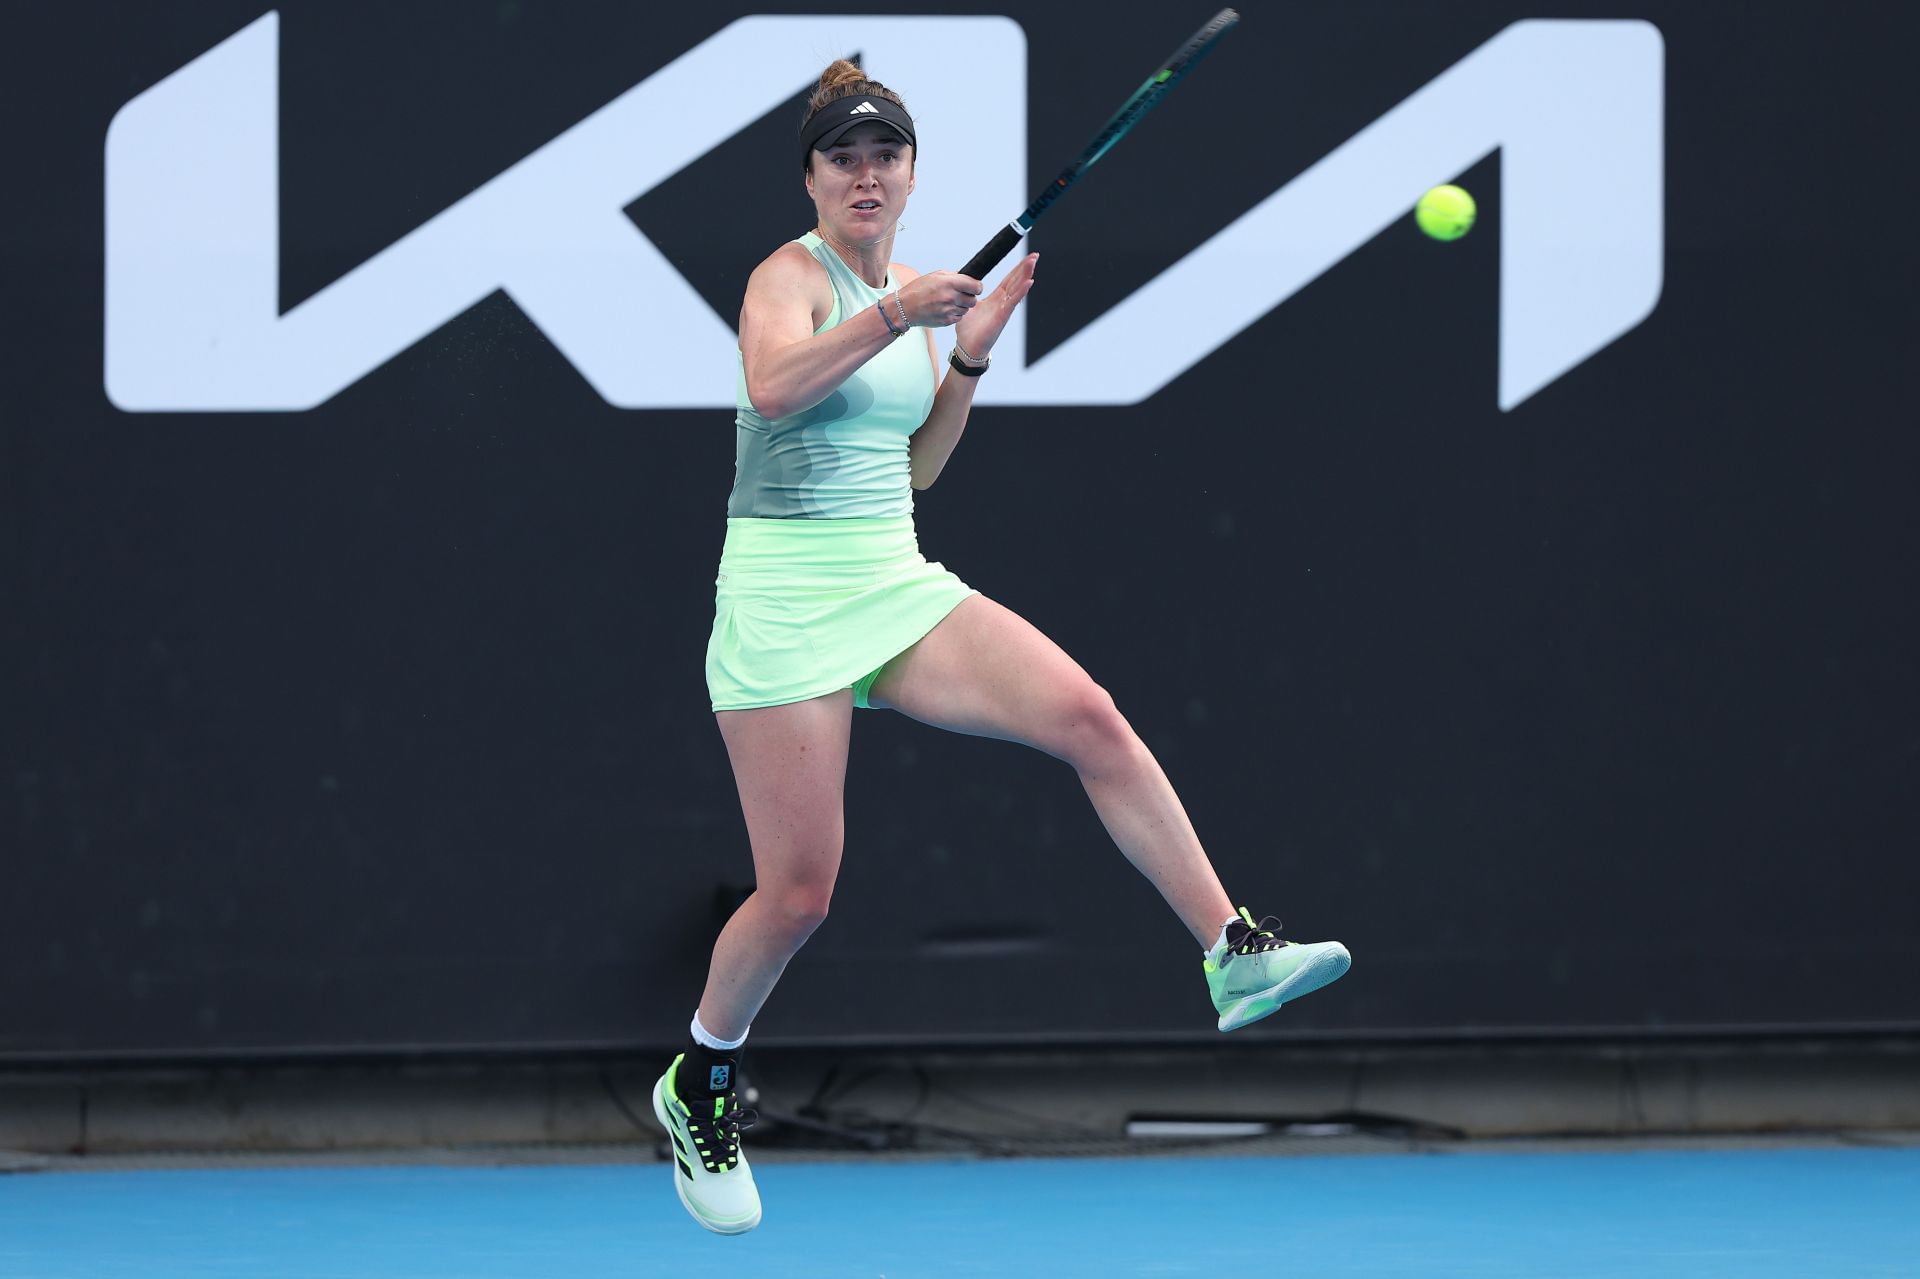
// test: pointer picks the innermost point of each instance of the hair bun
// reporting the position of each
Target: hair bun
(841, 72)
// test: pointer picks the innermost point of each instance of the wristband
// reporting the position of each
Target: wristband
(964, 369)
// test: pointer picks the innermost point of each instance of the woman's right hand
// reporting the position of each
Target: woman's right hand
(939, 298)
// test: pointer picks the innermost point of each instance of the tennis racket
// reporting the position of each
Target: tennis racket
(1143, 100)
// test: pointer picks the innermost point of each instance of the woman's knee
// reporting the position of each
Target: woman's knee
(1089, 728)
(798, 908)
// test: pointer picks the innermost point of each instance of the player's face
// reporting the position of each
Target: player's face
(860, 186)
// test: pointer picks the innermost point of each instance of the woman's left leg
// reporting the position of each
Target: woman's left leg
(988, 672)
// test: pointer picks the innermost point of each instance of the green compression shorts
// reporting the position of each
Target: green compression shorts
(803, 608)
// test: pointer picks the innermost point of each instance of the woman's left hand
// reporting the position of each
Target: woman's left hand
(980, 327)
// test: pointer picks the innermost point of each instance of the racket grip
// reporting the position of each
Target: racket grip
(988, 258)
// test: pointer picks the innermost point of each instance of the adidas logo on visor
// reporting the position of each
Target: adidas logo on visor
(865, 108)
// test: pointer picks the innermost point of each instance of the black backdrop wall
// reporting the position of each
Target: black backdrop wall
(380, 725)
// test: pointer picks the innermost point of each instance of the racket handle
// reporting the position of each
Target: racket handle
(988, 258)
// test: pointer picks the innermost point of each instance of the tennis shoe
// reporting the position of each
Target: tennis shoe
(710, 1172)
(1251, 971)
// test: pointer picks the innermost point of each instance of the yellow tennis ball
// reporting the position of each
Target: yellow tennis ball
(1445, 213)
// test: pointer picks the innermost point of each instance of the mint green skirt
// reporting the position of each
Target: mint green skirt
(803, 608)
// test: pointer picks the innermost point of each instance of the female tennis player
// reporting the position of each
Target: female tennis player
(824, 603)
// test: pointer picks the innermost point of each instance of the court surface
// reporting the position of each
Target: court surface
(1808, 1213)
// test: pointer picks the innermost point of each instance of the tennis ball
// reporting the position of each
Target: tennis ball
(1445, 213)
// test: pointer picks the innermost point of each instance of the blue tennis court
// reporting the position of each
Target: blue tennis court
(1747, 1213)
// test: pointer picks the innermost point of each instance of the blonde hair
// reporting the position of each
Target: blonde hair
(844, 79)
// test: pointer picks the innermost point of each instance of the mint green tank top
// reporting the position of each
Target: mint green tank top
(846, 457)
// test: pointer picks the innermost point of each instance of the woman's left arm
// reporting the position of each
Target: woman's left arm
(931, 445)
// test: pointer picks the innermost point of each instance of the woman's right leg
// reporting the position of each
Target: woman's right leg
(790, 765)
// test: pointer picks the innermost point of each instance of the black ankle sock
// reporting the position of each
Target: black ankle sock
(706, 1072)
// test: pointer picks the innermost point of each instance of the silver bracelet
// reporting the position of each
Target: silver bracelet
(969, 358)
(901, 307)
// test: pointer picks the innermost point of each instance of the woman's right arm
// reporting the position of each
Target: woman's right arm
(788, 367)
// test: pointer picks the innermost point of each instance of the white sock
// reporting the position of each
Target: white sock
(1221, 940)
(701, 1035)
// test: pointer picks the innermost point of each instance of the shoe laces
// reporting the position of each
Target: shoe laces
(717, 1136)
(1246, 937)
